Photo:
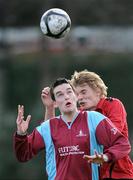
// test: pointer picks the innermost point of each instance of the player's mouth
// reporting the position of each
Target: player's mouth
(68, 104)
(82, 103)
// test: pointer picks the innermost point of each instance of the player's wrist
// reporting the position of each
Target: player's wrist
(21, 133)
(105, 158)
(50, 106)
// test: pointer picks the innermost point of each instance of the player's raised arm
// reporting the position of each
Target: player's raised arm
(26, 145)
(22, 125)
(48, 103)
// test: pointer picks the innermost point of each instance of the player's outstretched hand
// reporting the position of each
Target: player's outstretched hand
(22, 125)
(46, 98)
(96, 158)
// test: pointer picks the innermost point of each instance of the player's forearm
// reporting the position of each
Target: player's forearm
(27, 146)
(20, 145)
(118, 150)
(116, 145)
(49, 113)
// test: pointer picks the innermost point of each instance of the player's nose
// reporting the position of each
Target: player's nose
(67, 96)
(80, 97)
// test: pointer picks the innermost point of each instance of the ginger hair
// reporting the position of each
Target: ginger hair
(92, 79)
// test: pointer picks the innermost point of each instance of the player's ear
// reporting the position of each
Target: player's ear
(98, 91)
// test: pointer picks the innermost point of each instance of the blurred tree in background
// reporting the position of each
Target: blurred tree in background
(83, 12)
(23, 75)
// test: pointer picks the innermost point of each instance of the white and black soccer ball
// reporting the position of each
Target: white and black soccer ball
(55, 23)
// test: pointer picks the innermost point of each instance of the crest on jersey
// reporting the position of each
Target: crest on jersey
(114, 130)
(81, 134)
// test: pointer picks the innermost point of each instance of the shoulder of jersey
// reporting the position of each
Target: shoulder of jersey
(110, 99)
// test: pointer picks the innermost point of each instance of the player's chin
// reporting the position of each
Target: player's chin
(86, 106)
(68, 109)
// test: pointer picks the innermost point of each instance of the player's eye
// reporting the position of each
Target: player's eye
(60, 94)
(83, 92)
(69, 92)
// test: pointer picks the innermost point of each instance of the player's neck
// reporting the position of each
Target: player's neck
(68, 117)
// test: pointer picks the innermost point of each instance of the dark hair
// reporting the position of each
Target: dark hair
(58, 82)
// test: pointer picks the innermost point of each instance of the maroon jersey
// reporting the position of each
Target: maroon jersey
(66, 143)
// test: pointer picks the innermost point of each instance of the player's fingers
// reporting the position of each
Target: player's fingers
(44, 94)
(90, 160)
(19, 109)
(22, 110)
(86, 157)
(28, 118)
(19, 117)
(97, 154)
(46, 90)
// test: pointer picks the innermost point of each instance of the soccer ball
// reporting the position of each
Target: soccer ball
(55, 23)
